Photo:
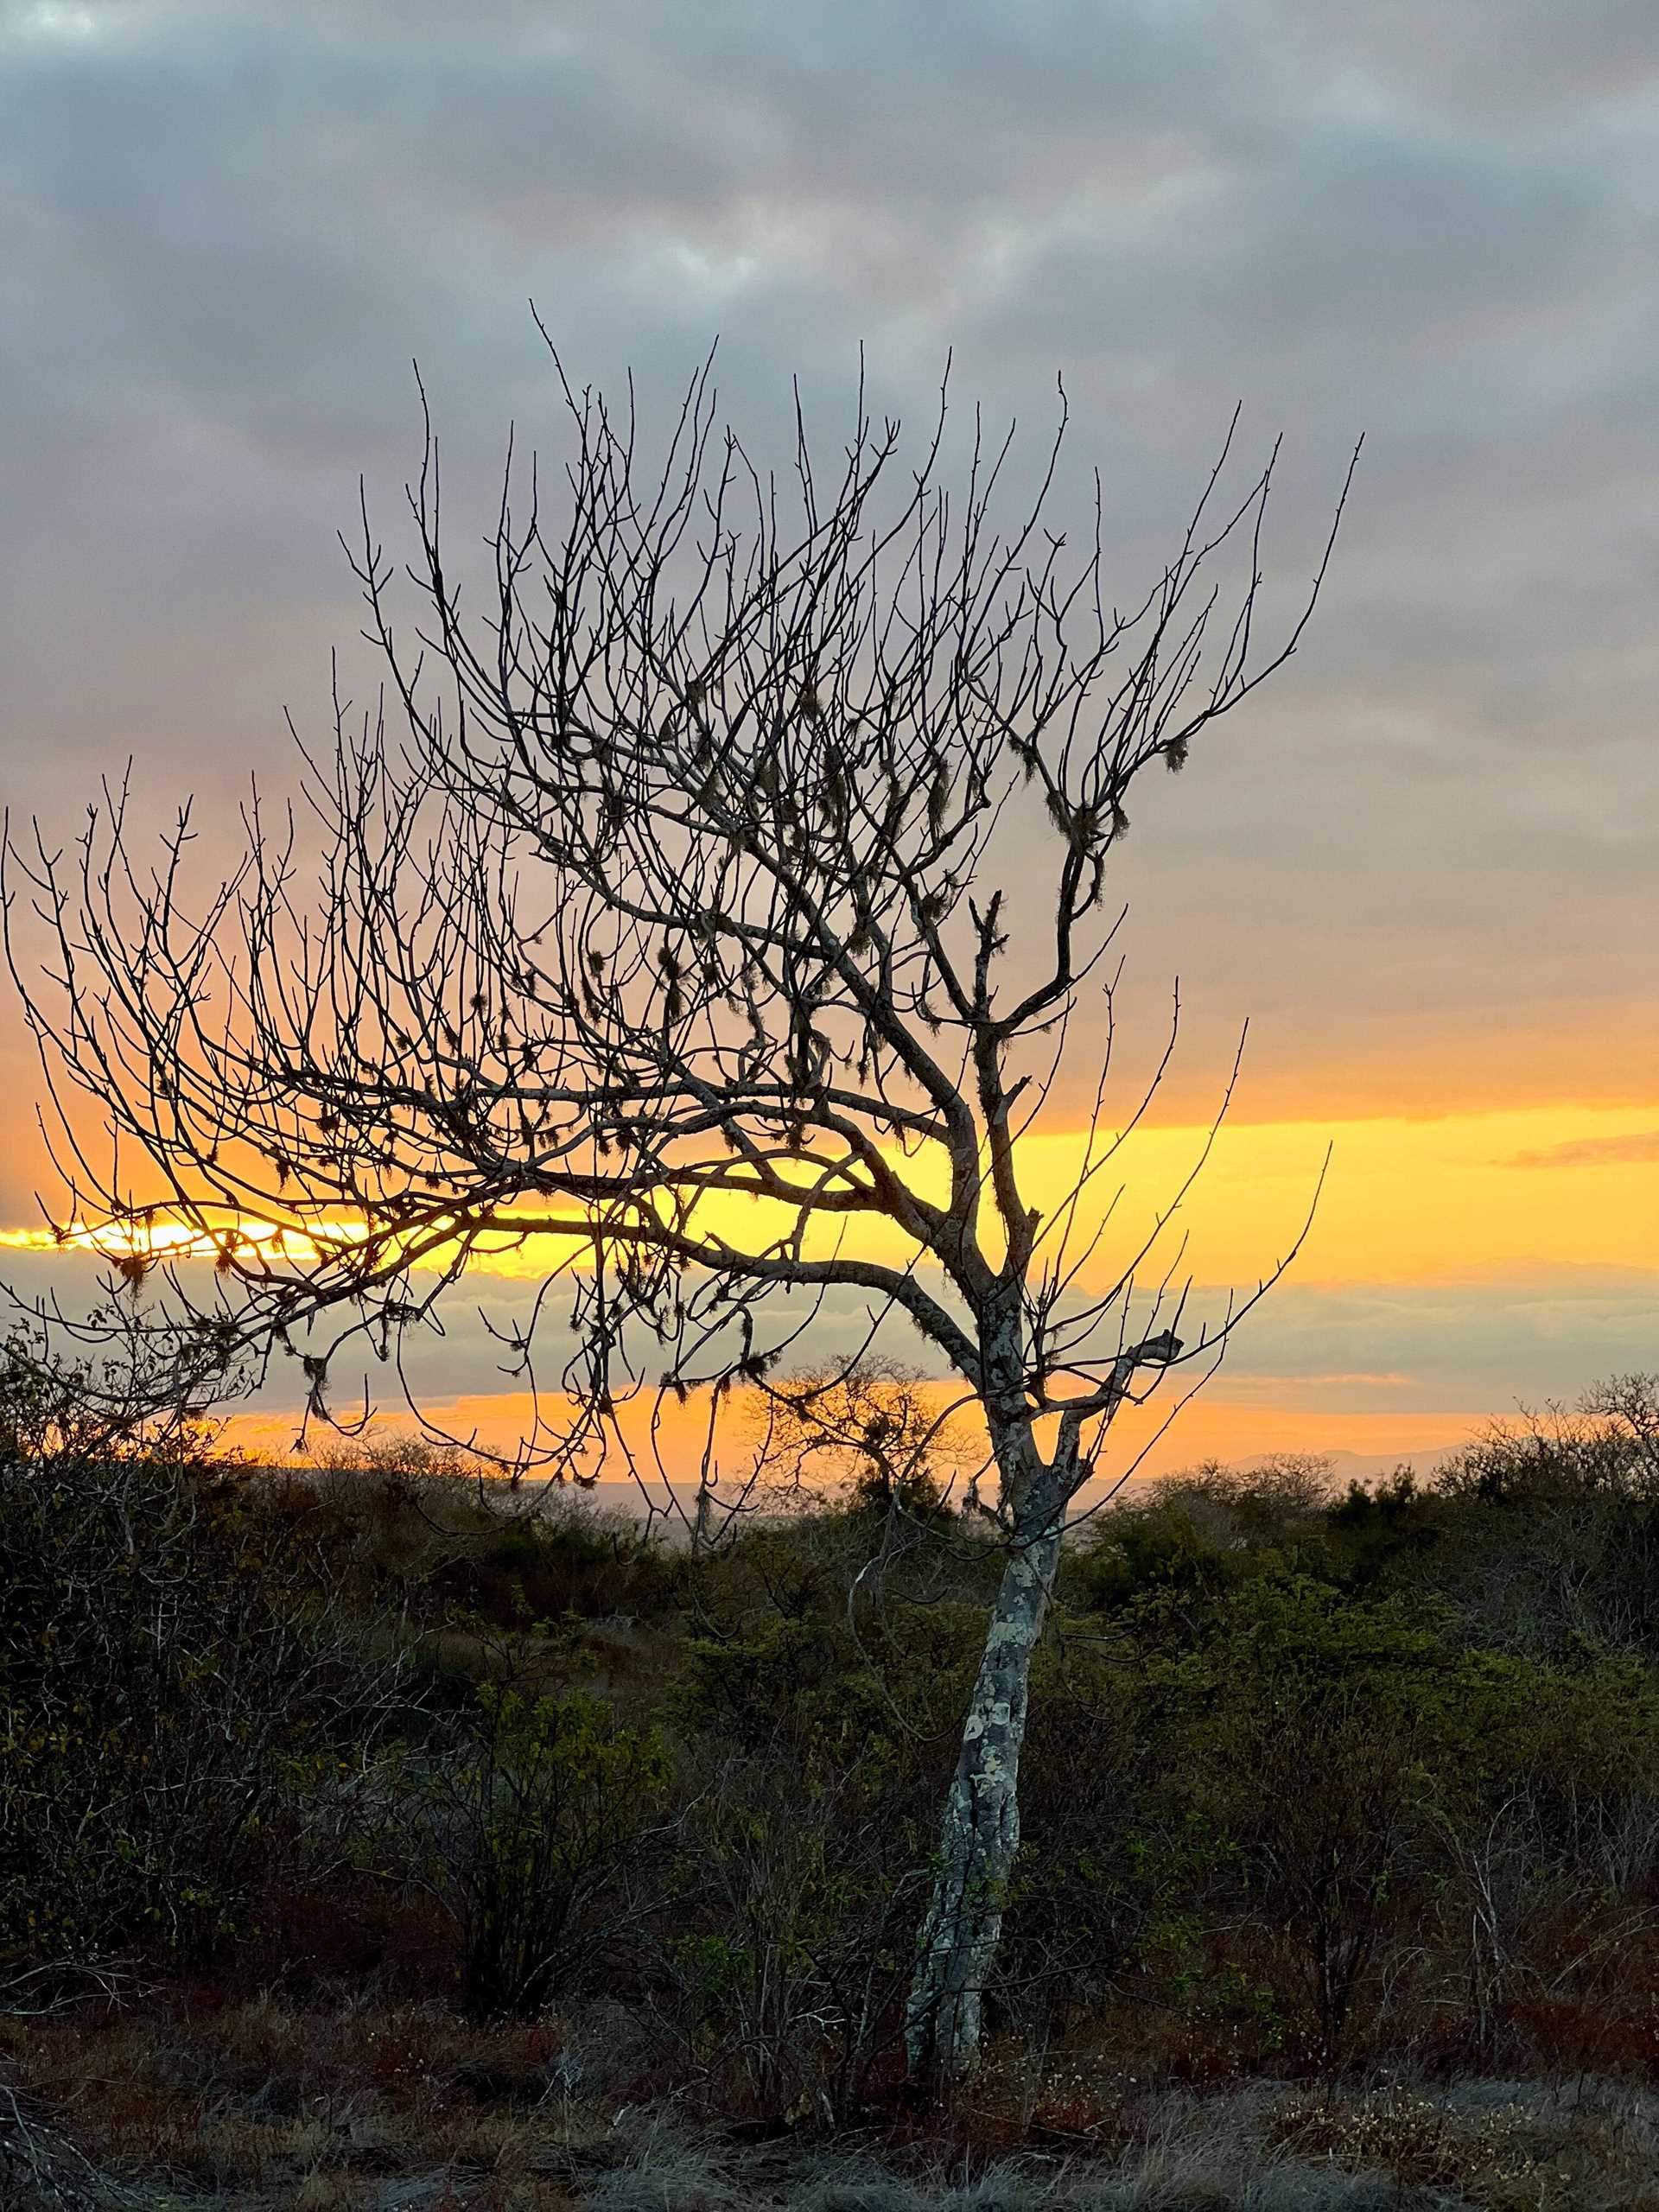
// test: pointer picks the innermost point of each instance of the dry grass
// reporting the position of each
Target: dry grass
(193, 2100)
(268, 2102)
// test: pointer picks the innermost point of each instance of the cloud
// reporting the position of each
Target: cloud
(1396, 1360)
(1419, 860)
(1595, 1152)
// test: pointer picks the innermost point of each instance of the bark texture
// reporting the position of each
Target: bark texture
(980, 1836)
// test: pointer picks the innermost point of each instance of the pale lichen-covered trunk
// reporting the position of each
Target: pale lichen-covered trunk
(981, 1833)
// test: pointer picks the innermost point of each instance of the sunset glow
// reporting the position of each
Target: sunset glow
(1405, 1200)
(1419, 861)
(1552, 1195)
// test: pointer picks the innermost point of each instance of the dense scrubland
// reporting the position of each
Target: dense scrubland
(376, 1835)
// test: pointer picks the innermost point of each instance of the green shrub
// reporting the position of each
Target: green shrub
(822, 1754)
(175, 1684)
(1350, 1752)
(553, 1566)
(789, 1959)
(543, 1818)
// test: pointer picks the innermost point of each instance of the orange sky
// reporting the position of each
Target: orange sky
(1413, 1210)
(1421, 860)
(1405, 1200)
(1216, 1424)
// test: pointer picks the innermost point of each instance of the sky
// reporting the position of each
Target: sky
(1421, 862)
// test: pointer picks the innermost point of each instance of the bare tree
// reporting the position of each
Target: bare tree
(711, 909)
(870, 1430)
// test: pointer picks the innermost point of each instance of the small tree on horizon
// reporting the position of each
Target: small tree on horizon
(727, 885)
(869, 1430)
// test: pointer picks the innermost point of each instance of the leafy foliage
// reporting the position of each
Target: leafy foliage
(172, 1678)
(538, 1821)
(1298, 1794)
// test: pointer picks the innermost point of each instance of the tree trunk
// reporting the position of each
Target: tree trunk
(982, 1825)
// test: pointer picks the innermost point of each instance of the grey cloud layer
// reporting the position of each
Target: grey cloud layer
(1457, 1348)
(229, 226)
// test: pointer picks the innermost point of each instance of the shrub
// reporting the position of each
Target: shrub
(824, 1753)
(423, 1520)
(552, 1565)
(1552, 1528)
(1359, 1759)
(173, 1680)
(803, 1886)
(542, 1820)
